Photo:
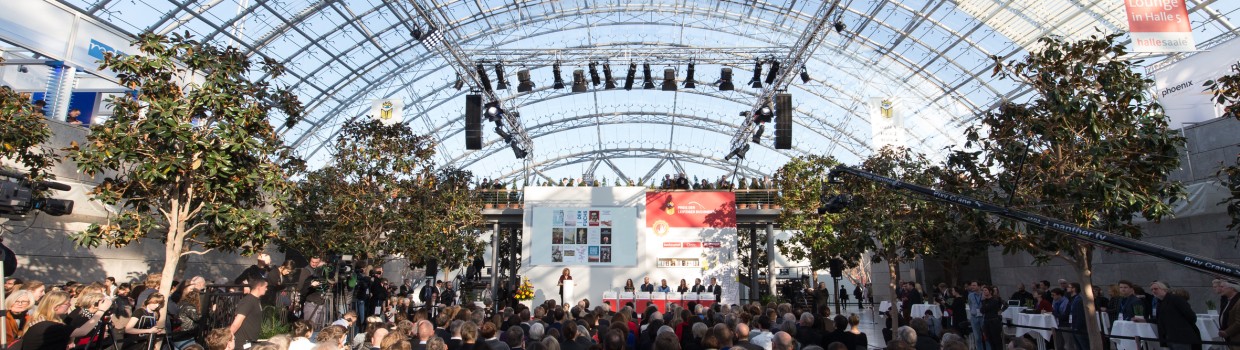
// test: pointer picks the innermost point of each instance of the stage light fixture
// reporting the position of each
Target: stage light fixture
(669, 79)
(805, 75)
(609, 81)
(482, 75)
(649, 84)
(756, 81)
(757, 135)
(839, 26)
(517, 150)
(770, 76)
(689, 83)
(523, 81)
(594, 74)
(460, 83)
(503, 134)
(579, 81)
(559, 81)
(725, 79)
(739, 152)
(493, 112)
(630, 76)
(500, 82)
(765, 114)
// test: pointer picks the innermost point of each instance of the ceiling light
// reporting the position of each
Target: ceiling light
(523, 81)
(594, 73)
(482, 75)
(770, 77)
(579, 81)
(757, 135)
(669, 79)
(610, 82)
(559, 81)
(460, 83)
(632, 74)
(689, 84)
(805, 75)
(649, 84)
(725, 79)
(500, 82)
(756, 81)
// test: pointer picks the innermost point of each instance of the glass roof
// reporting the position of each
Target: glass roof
(932, 58)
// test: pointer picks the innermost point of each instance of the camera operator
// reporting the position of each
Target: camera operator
(378, 293)
(312, 283)
(89, 314)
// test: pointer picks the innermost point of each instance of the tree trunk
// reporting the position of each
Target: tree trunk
(1085, 269)
(951, 269)
(893, 268)
(172, 256)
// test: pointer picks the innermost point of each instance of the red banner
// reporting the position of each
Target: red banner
(690, 209)
(1159, 26)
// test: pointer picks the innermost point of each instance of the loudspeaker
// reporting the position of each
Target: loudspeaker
(432, 269)
(473, 122)
(837, 268)
(783, 121)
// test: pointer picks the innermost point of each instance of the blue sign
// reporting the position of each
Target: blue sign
(97, 49)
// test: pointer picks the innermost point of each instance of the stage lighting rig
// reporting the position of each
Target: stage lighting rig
(774, 73)
(669, 79)
(649, 84)
(756, 81)
(579, 81)
(524, 84)
(805, 75)
(559, 81)
(739, 152)
(689, 84)
(18, 196)
(482, 75)
(459, 84)
(609, 81)
(725, 79)
(493, 112)
(630, 76)
(500, 82)
(594, 74)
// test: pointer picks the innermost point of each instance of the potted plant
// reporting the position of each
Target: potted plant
(525, 293)
(1210, 308)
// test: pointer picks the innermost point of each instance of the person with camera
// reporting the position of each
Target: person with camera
(312, 285)
(89, 321)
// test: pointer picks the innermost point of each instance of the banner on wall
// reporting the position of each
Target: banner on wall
(591, 236)
(1180, 86)
(692, 235)
(886, 123)
(1159, 26)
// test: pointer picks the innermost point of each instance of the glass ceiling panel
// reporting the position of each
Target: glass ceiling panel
(932, 56)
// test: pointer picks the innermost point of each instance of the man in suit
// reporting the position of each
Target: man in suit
(1229, 313)
(1177, 323)
(697, 286)
(1076, 315)
(716, 289)
(429, 291)
(647, 286)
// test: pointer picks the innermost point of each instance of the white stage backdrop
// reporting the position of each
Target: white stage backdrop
(662, 249)
(1180, 86)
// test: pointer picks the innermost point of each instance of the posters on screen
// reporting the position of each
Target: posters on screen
(1159, 26)
(577, 236)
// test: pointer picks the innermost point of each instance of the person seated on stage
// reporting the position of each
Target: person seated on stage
(697, 286)
(628, 286)
(647, 286)
(683, 288)
(663, 287)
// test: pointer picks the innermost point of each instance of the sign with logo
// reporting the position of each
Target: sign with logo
(387, 111)
(886, 123)
(1180, 86)
(1159, 26)
(691, 209)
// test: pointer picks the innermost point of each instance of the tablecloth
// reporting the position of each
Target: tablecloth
(1131, 329)
(1035, 320)
(919, 310)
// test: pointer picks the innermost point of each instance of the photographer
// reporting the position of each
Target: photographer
(86, 318)
(312, 283)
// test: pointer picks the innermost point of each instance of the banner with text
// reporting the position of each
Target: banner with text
(1180, 86)
(1159, 26)
(692, 235)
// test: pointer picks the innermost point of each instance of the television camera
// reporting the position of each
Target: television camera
(19, 196)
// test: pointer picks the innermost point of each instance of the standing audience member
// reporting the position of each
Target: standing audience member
(145, 323)
(992, 321)
(1177, 323)
(1229, 314)
(248, 322)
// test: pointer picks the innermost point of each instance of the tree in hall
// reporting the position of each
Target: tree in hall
(885, 221)
(802, 184)
(381, 196)
(191, 157)
(23, 130)
(1226, 90)
(1091, 148)
(956, 234)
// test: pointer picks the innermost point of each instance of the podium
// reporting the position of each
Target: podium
(676, 298)
(623, 298)
(566, 291)
(689, 298)
(643, 300)
(660, 300)
(609, 298)
(706, 299)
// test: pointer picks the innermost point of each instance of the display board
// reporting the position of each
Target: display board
(692, 235)
(600, 236)
(1181, 86)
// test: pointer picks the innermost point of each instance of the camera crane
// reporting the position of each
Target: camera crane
(1207, 265)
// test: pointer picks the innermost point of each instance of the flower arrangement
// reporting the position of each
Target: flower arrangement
(525, 291)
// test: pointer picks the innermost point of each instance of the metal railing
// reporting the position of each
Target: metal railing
(515, 199)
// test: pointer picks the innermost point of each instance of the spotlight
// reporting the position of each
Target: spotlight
(649, 84)
(559, 81)
(460, 83)
(739, 152)
(416, 33)
(523, 81)
(579, 81)
(757, 135)
(839, 27)
(765, 114)
(610, 82)
(805, 75)
(594, 73)
(517, 150)
(770, 77)
(482, 75)
(493, 112)
(669, 79)
(725, 80)
(628, 78)
(689, 77)
(503, 134)
(756, 81)
(500, 82)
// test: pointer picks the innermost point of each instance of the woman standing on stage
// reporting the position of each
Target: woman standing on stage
(566, 277)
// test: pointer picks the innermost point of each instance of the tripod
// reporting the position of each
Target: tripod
(100, 332)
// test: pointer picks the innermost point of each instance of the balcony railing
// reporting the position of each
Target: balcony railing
(515, 199)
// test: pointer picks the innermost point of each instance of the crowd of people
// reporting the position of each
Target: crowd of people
(668, 182)
(975, 311)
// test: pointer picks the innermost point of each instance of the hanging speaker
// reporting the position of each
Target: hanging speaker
(473, 122)
(783, 121)
(837, 268)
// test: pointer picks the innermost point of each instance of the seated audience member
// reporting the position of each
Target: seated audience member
(220, 339)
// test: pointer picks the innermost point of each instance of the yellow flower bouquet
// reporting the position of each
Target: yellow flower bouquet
(525, 291)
